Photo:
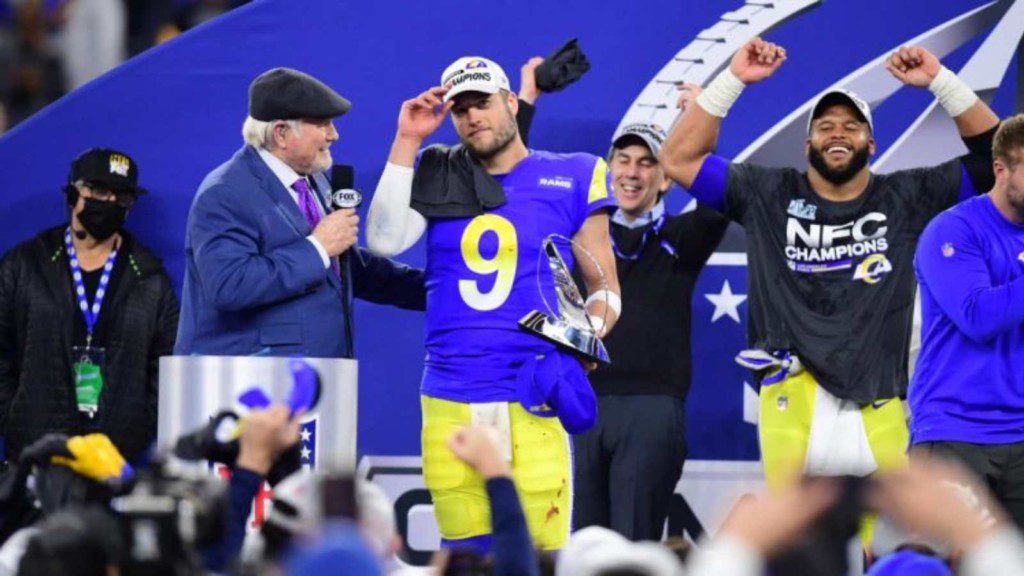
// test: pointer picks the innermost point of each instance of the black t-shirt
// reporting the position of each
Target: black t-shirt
(834, 282)
(650, 345)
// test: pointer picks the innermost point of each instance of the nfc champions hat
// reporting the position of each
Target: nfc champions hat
(841, 96)
(652, 135)
(473, 74)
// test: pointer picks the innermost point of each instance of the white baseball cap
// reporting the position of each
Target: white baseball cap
(473, 74)
(841, 96)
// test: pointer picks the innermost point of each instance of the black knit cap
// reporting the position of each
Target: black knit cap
(287, 94)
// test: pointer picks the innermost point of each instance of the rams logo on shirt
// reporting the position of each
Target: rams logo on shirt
(872, 269)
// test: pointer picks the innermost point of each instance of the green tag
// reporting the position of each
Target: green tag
(88, 385)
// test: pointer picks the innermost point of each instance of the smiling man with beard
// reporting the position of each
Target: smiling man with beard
(831, 250)
(487, 205)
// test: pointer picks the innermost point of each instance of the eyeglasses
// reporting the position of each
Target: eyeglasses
(97, 192)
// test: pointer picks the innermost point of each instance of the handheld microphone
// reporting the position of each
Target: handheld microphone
(343, 183)
(345, 196)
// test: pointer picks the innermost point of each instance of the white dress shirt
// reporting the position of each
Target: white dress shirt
(287, 176)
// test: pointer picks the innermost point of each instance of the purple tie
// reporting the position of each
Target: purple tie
(306, 203)
(308, 207)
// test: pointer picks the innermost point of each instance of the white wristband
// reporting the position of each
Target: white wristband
(953, 94)
(611, 300)
(721, 93)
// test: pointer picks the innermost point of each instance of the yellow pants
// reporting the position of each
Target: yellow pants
(784, 428)
(541, 469)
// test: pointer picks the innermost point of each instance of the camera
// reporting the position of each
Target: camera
(166, 519)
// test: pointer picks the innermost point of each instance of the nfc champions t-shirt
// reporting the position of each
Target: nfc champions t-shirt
(834, 281)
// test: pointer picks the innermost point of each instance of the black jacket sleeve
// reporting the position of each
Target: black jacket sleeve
(162, 344)
(701, 235)
(8, 337)
(978, 160)
(383, 281)
(524, 119)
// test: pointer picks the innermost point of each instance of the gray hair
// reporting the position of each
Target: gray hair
(260, 134)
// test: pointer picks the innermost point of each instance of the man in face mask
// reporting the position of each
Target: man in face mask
(85, 314)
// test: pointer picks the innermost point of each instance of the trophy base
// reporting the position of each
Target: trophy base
(583, 343)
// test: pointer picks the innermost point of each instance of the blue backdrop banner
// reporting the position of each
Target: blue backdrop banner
(178, 110)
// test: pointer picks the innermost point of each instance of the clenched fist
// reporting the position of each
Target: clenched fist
(913, 65)
(338, 231)
(266, 434)
(757, 60)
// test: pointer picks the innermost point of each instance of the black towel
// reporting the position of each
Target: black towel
(565, 66)
(450, 183)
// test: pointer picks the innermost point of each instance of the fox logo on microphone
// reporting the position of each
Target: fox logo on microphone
(346, 198)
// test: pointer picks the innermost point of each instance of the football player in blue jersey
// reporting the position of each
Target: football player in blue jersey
(487, 206)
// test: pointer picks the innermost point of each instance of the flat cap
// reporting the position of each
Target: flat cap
(287, 94)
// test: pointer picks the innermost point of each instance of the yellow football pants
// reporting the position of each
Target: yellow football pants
(541, 470)
(786, 411)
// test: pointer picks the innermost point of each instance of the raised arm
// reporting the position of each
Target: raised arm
(695, 135)
(528, 95)
(392, 225)
(916, 66)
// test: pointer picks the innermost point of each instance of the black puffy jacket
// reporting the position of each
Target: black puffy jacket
(37, 394)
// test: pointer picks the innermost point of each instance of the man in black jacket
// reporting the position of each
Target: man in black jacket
(85, 314)
(628, 464)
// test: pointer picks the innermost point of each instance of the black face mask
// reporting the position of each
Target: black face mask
(102, 219)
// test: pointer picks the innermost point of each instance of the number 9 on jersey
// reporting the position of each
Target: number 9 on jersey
(502, 265)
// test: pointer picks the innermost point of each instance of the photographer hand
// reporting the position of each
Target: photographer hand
(939, 499)
(477, 446)
(770, 522)
(265, 435)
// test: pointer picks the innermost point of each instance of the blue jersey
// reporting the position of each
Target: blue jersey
(969, 381)
(485, 273)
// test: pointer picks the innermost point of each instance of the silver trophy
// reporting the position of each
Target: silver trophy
(568, 327)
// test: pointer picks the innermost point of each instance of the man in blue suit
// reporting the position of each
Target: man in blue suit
(271, 268)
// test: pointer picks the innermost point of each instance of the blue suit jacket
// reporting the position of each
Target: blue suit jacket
(255, 285)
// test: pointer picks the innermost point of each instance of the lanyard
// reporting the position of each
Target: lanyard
(654, 230)
(89, 314)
